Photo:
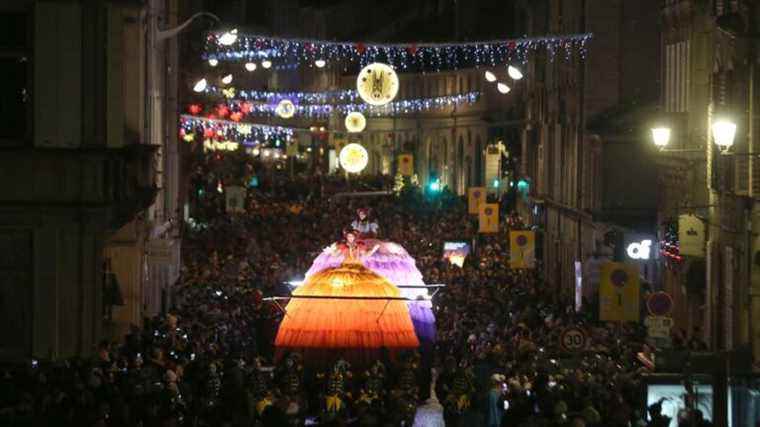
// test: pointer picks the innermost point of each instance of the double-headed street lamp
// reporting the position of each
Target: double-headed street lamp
(723, 133)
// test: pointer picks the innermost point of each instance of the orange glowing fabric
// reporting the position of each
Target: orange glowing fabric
(346, 323)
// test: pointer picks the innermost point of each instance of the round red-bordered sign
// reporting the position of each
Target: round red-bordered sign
(659, 304)
(573, 339)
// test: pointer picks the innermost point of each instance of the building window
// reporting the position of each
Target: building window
(15, 74)
(677, 63)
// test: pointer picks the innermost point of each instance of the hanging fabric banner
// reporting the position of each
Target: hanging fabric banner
(619, 292)
(488, 218)
(522, 249)
(476, 196)
(235, 199)
(406, 164)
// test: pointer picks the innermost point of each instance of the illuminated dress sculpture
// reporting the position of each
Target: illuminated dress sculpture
(392, 262)
(368, 316)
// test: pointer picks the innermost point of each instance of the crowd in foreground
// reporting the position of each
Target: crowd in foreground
(209, 361)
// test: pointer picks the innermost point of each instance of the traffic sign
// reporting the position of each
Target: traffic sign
(658, 326)
(573, 339)
(659, 304)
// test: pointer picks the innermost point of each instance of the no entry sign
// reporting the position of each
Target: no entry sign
(659, 304)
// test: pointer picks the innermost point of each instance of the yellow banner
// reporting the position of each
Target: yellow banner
(476, 196)
(406, 164)
(619, 292)
(522, 249)
(488, 218)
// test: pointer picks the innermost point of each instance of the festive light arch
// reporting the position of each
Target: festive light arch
(401, 55)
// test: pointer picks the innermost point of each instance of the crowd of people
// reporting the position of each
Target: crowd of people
(209, 361)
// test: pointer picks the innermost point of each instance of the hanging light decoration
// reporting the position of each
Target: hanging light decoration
(503, 88)
(355, 122)
(377, 84)
(227, 79)
(320, 63)
(266, 64)
(514, 73)
(250, 66)
(200, 85)
(490, 77)
(285, 109)
(228, 38)
(420, 55)
(353, 158)
(213, 62)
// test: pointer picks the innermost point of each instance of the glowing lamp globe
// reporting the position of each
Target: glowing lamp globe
(285, 109)
(724, 132)
(353, 158)
(320, 63)
(213, 62)
(250, 66)
(514, 73)
(355, 122)
(227, 79)
(200, 85)
(377, 84)
(502, 88)
(661, 136)
(490, 77)
(266, 63)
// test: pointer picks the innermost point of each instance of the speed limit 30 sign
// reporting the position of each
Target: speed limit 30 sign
(573, 339)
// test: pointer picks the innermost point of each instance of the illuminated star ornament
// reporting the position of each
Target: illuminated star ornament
(377, 84)
(355, 122)
(353, 158)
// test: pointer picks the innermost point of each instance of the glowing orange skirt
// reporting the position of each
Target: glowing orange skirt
(328, 323)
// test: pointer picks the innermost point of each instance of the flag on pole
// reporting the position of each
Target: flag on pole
(235, 199)
(488, 218)
(522, 249)
(476, 196)
(619, 292)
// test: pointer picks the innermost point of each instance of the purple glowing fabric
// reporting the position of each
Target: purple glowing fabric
(395, 264)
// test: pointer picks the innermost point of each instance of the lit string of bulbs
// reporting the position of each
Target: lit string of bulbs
(236, 110)
(248, 47)
(332, 96)
(249, 134)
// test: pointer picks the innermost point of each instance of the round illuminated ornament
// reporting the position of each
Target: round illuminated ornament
(377, 84)
(285, 109)
(353, 158)
(355, 122)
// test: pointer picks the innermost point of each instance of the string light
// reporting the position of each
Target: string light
(333, 96)
(401, 55)
(405, 106)
(248, 134)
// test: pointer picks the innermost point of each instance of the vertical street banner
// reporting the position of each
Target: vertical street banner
(235, 199)
(476, 196)
(488, 218)
(691, 236)
(406, 164)
(619, 292)
(522, 249)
